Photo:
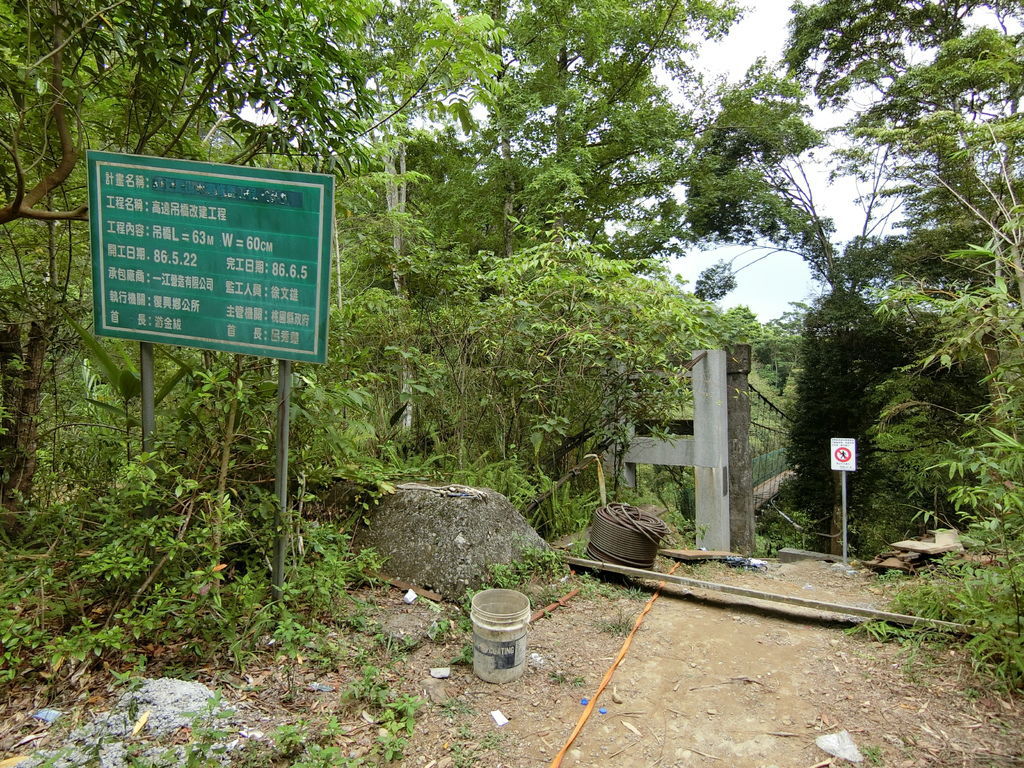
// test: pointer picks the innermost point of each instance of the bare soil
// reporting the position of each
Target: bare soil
(709, 680)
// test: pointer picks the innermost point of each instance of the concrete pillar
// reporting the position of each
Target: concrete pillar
(711, 448)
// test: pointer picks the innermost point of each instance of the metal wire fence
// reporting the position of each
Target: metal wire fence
(769, 431)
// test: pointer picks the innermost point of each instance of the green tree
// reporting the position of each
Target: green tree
(845, 353)
(750, 186)
(978, 457)
(584, 133)
(170, 77)
(941, 83)
(747, 182)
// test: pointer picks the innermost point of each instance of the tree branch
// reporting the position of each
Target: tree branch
(632, 78)
(199, 102)
(25, 207)
(9, 212)
(991, 224)
(81, 213)
(62, 43)
(411, 96)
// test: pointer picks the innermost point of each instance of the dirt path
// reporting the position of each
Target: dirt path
(712, 681)
(709, 681)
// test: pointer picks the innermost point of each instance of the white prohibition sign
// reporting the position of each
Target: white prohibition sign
(844, 454)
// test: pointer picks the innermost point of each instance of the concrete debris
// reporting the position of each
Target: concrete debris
(844, 569)
(171, 704)
(790, 555)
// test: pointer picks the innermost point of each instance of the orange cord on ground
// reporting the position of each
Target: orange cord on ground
(608, 675)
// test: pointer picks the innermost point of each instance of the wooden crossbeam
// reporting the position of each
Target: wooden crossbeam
(817, 605)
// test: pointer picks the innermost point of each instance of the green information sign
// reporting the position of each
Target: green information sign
(211, 256)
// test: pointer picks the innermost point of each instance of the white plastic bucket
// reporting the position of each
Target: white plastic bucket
(500, 618)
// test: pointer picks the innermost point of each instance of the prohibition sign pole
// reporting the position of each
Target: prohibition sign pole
(215, 257)
(844, 459)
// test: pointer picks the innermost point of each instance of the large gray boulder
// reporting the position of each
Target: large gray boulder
(445, 538)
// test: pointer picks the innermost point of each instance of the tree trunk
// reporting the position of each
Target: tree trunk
(21, 371)
(509, 207)
(499, 12)
(10, 356)
(397, 190)
(10, 395)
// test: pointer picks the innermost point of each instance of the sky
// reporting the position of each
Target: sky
(768, 286)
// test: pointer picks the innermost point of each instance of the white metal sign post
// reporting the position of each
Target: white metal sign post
(843, 451)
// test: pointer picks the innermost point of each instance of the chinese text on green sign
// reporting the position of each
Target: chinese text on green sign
(211, 256)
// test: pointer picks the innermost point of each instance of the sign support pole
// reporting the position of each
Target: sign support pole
(284, 391)
(148, 406)
(845, 551)
(843, 455)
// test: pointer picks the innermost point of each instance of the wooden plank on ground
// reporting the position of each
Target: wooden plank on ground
(405, 586)
(928, 547)
(891, 564)
(696, 555)
(756, 594)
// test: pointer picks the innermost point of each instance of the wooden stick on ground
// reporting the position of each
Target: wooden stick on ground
(548, 608)
(848, 610)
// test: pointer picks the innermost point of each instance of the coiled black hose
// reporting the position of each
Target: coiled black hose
(626, 535)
